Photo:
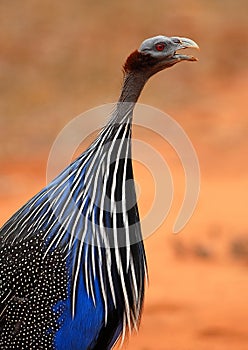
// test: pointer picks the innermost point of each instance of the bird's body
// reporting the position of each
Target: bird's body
(90, 295)
(72, 260)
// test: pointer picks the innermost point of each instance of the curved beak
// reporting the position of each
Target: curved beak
(183, 43)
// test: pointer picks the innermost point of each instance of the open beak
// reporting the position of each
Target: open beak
(183, 43)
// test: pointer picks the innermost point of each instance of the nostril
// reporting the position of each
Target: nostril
(176, 41)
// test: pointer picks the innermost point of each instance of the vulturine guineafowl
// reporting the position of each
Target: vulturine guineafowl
(72, 260)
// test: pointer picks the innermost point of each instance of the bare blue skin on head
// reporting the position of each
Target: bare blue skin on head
(171, 45)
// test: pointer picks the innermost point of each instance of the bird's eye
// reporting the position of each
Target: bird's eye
(160, 46)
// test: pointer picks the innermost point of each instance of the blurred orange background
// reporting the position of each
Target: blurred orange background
(58, 59)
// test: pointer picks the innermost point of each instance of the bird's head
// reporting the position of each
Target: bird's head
(158, 53)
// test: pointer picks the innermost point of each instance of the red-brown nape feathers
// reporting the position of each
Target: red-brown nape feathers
(138, 61)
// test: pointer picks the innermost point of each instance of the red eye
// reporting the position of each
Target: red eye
(160, 46)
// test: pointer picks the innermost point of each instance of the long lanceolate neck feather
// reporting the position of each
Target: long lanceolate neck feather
(84, 211)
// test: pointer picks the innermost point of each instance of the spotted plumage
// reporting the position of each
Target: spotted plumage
(30, 288)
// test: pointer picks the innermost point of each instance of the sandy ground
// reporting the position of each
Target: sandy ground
(198, 279)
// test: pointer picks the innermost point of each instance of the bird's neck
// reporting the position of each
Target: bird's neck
(133, 84)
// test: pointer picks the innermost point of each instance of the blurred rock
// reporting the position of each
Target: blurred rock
(239, 248)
